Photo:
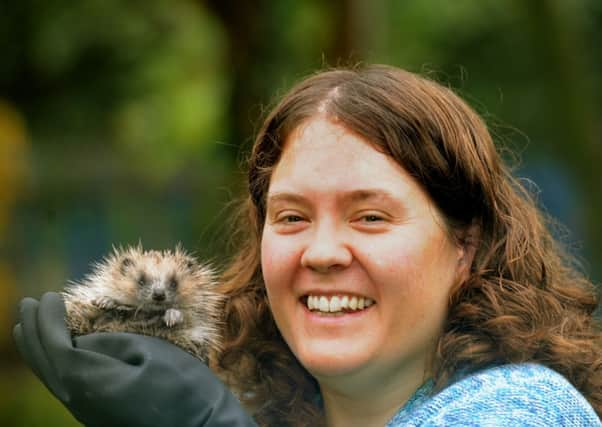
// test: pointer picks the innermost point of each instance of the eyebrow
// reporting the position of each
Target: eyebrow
(369, 194)
(285, 197)
(359, 195)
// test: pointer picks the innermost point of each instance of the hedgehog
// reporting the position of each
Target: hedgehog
(166, 294)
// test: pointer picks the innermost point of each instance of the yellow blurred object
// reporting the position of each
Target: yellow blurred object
(13, 145)
(13, 148)
(8, 303)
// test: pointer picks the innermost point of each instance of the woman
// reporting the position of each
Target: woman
(378, 183)
(394, 273)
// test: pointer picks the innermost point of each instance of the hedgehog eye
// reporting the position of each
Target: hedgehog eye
(142, 281)
(173, 283)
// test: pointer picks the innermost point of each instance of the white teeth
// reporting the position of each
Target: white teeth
(345, 301)
(324, 305)
(336, 304)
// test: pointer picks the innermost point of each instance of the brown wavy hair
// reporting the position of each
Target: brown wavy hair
(525, 300)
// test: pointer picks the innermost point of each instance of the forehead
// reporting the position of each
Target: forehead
(155, 264)
(323, 156)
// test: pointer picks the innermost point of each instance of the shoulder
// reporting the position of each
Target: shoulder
(507, 395)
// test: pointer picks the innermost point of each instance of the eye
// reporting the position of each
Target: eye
(289, 221)
(173, 283)
(288, 216)
(142, 280)
(371, 221)
(372, 218)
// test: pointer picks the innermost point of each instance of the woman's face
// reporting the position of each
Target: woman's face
(347, 226)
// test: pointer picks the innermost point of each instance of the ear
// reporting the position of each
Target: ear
(125, 263)
(468, 241)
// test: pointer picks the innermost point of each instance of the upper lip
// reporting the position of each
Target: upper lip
(333, 292)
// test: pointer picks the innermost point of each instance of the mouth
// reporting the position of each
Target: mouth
(157, 306)
(336, 305)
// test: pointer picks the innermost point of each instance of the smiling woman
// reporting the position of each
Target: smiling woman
(394, 270)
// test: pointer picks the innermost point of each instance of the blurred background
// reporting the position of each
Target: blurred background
(123, 121)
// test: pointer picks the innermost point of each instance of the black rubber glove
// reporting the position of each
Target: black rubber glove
(120, 379)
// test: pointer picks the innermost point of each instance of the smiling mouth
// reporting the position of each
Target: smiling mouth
(336, 304)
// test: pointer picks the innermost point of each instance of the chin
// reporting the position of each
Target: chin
(331, 361)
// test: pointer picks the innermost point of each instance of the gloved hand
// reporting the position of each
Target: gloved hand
(121, 379)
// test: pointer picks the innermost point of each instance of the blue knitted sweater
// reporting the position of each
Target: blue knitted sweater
(508, 395)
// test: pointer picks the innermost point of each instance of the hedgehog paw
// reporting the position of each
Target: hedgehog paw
(104, 303)
(173, 317)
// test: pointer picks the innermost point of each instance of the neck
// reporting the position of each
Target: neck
(367, 404)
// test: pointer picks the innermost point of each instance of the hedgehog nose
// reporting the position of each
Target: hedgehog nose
(158, 295)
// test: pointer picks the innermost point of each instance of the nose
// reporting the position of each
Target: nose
(327, 251)
(158, 294)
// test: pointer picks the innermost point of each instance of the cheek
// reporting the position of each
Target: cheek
(412, 270)
(395, 259)
(278, 264)
(130, 285)
(279, 257)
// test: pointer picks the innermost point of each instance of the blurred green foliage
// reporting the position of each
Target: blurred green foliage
(26, 402)
(125, 121)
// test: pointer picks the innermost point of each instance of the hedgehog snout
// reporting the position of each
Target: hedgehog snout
(158, 294)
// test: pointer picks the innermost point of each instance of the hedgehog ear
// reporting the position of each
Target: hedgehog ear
(126, 262)
(190, 264)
